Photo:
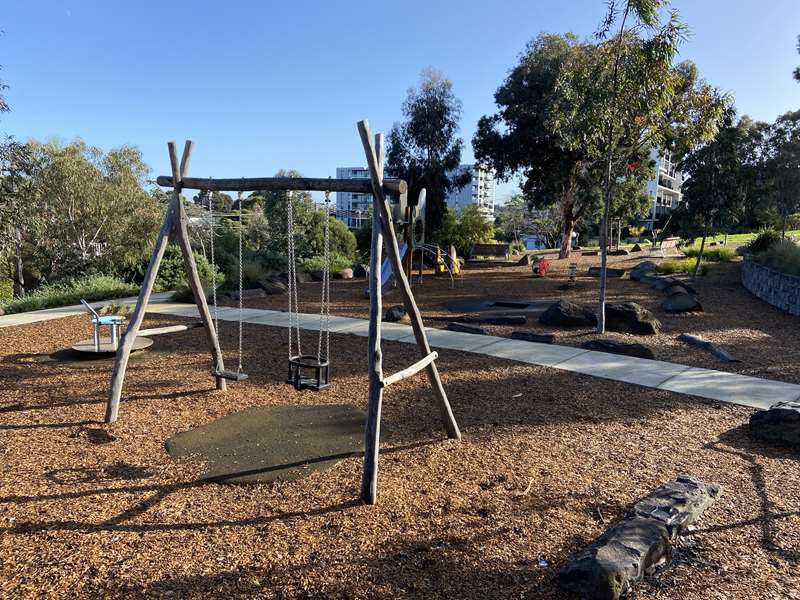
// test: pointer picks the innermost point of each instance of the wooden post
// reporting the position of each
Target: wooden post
(172, 217)
(188, 258)
(129, 337)
(409, 303)
(372, 429)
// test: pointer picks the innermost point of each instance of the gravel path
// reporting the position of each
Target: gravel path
(548, 460)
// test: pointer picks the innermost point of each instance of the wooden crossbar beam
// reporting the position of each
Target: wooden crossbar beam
(409, 371)
(167, 329)
(272, 184)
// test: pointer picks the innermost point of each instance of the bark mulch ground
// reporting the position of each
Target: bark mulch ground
(761, 336)
(548, 461)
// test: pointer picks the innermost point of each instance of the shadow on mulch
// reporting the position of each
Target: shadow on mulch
(401, 567)
(159, 493)
(119, 471)
(73, 358)
(738, 442)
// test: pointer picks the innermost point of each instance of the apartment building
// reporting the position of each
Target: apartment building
(665, 189)
(480, 191)
(353, 208)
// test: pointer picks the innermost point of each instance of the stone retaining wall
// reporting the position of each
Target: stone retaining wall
(779, 289)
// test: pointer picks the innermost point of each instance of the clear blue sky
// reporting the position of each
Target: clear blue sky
(266, 85)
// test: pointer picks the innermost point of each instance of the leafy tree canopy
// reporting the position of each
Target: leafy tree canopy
(424, 149)
(93, 211)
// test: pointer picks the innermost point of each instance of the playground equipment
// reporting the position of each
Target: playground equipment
(219, 370)
(301, 364)
(540, 266)
(444, 263)
(387, 275)
(382, 226)
(114, 322)
(100, 347)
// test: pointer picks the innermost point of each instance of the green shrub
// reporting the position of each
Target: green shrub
(713, 254)
(518, 247)
(172, 272)
(316, 263)
(783, 256)
(252, 273)
(764, 240)
(271, 262)
(6, 290)
(686, 265)
(91, 288)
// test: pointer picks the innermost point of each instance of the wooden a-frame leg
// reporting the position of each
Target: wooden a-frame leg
(409, 303)
(188, 259)
(129, 337)
(372, 429)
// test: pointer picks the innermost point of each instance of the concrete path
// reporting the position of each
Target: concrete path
(705, 383)
(48, 314)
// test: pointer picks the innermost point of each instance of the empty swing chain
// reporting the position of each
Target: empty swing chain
(324, 307)
(213, 260)
(241, 226)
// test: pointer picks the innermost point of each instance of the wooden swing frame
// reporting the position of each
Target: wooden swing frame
(382, 231)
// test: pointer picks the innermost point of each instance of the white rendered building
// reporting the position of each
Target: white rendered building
(353, 208)
(479, 191)
(665, 189)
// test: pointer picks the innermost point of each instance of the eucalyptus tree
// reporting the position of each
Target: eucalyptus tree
(95, 214)
(18, 214)
(425, 149)
(783, 165)
(514, 218)
(626, 96)
(518, 138)
(713, 192)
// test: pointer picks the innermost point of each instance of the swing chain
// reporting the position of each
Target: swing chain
(324, 307)
(241, 226)
(208, 198)
(294, 317)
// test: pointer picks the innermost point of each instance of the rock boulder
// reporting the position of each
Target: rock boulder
(680, 303)
(529, 336)
(640, 542)
(615, 273)
(272, 286)
(643, 270)
(568, 314)
(397, 314)
(344, 274)
(617, 560)
(630, 317)
(779, 424)
(614, 347)
(465, 328)
(677, 504)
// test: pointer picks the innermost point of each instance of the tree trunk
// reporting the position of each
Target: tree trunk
(601, 312)
(568, 224)
(19, 270)
(700, 254)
